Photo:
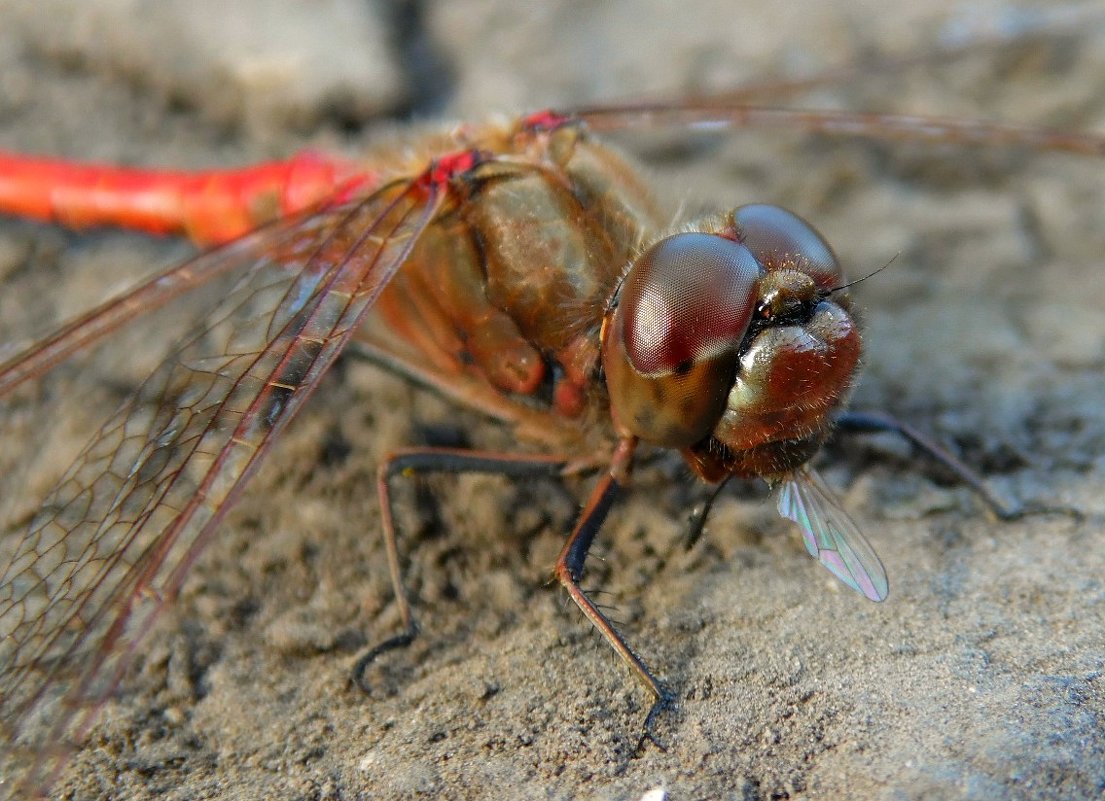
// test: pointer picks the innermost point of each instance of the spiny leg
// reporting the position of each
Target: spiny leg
(412, 461)
(878, 422)
(569, 571)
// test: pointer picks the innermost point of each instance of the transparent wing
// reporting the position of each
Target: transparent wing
(113, 541)
(831, 535)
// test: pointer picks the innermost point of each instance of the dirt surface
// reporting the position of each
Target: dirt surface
(980, 677)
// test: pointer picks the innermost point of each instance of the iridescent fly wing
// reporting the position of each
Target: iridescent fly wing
(112, 543)
(831, 535)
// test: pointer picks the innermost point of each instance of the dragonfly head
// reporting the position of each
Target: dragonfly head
(733, 343)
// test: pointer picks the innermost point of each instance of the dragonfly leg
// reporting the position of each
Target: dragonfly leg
(872, 422)
(880, 422)
(569, 571)
(696, 521)
(412, 461)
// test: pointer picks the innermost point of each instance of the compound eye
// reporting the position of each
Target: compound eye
(780, 239)
(687, 299)
(670, 346)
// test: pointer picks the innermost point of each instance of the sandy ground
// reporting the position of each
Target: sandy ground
(980, 677)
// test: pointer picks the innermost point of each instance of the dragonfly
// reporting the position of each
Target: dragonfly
(729, 339)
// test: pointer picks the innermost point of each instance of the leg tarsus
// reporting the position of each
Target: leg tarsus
(1077, 515)
(360, 667)
(664, 702)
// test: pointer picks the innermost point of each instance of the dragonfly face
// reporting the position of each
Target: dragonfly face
(731, 344)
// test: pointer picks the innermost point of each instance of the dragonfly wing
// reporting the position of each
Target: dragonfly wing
(830, 534)
(112, 543)
(150, 295)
